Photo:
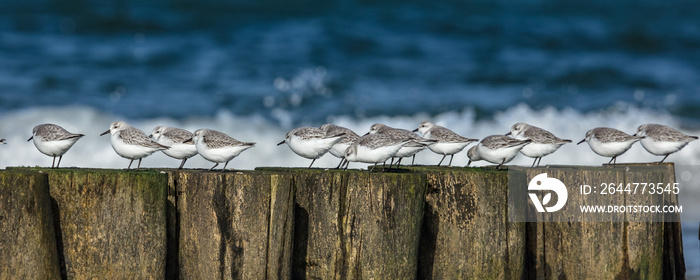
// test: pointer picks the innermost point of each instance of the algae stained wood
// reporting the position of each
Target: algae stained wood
(466, 233)
(357, 225)
(585, 250)
(574, 244)
(234, 225)
(27, 239)
(111, 224)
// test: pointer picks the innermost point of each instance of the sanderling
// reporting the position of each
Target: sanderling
(411, 148)
(496, 149)
(218, 147)
(448, 142)
(338, 150)
(374, 148)
(52, 140)
(311, 142)
(662, 140)
(609, 142)
(131, 143)
(179, 141)
(543, 142)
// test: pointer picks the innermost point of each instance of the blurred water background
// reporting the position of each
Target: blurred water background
(256, 69)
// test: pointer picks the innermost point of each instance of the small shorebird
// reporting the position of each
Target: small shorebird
(415, 145)
(52, 140)
(311, 142)
(662, 140)
(374, 148)
(609, 142)
(131, 143)
(338, 150)
(448, 142)
(496, 149)
(218, 147)
(179, 140)
(543, 142)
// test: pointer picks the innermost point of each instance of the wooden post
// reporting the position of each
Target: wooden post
(234, 225)
(356, 224)
(282, 223)
(616, 248)
(111, 223)
(27, 239)
(466, 233)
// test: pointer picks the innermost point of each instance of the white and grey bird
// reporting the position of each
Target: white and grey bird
(311, 142)
(53, 140)
(662, 140)
(609, 142)
(131, 143)
(374, 148)
(218, 147)
(2, 141)
(338, 150)
(410, 149)
(496, 149)
(543, 142)
(448, 142)
(179, 140)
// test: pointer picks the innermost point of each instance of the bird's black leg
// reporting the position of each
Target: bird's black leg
(342, 160)
(182, 164)
(215, 165)
(224, 169)
(443, 158)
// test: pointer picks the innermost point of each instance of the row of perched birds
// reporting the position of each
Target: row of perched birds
(378, 145)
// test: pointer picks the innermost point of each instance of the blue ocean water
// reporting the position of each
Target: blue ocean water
(314, 59)
(255, 69)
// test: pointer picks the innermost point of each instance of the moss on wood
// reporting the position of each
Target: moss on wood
(466, 233)
(111, 223)
(233, 225)
(27, 239)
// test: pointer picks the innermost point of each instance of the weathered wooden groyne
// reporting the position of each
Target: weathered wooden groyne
(284, 223)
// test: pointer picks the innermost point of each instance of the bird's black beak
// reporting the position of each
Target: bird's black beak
(415, 130)
(584, 140)
(280, 143)
(30, 138)
(634, 134)
(103, 133)
(189, 141)
(365, 134)
(508, 134)
(150, 135)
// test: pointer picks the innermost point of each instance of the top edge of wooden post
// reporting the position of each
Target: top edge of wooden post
(287, 170)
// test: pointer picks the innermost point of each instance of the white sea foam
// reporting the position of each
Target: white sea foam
(96, 151)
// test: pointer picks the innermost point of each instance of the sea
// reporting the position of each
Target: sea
(257, 69)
